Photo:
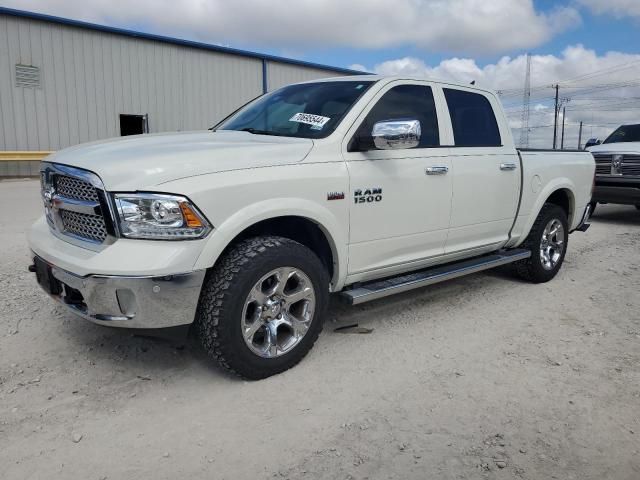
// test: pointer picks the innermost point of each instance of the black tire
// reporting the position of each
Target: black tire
(218, 323)
(532, 268)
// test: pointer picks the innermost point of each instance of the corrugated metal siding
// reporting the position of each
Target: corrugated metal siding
(89, 77)
(281, 74)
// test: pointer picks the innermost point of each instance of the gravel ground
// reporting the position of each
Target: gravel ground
(481, 377)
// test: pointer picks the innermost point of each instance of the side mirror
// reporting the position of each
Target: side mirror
(592, 142)
(396, 134)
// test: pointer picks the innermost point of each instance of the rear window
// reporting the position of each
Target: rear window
(474, 123)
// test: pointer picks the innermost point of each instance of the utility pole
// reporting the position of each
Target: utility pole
(555, 120)
(564, 110)
(524, 124)
(580, 136)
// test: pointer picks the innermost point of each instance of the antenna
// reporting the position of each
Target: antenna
(526, 97)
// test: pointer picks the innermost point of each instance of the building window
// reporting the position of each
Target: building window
(134, 124)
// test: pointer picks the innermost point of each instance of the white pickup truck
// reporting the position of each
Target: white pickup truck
(618, 167)
(364, 185)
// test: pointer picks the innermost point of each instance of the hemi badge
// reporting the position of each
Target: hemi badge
(335, 196)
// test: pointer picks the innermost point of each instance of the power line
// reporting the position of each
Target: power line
(585, 90)
(605, 71)
(587, 94)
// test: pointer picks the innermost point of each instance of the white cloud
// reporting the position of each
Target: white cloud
(590, 82)
(455, 26)
(617, 8)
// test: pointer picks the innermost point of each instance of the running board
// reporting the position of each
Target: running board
(383, 288)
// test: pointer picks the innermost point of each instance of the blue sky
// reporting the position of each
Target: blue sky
(601, 33)
(598, 32)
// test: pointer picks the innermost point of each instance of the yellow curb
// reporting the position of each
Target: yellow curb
(22, 156)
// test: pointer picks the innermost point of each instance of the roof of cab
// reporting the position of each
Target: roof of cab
(390, 78)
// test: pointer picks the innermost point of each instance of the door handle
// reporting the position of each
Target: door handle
(507, 166)
(437, 170)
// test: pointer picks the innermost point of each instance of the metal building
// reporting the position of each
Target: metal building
(64, 82)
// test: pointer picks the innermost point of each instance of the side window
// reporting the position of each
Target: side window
(474, 123)
(404, 101)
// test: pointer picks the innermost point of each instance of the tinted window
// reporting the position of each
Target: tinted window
(402, 102)
(309, 110)
(474, 123)
(625, 133)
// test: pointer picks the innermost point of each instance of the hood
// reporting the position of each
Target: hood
(620, 147)
(144, 161)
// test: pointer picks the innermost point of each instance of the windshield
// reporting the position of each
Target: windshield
(625, 133)
(308, 110)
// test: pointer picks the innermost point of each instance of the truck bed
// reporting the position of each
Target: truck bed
(545, 171)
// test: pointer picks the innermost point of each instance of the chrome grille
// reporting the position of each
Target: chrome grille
(630, 165)
(75, 188)
(76, 205)
(84, 225)
(603, 164)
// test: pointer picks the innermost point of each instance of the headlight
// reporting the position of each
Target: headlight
(159, 217)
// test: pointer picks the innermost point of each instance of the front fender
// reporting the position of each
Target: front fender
(252, 214)
(236, 200)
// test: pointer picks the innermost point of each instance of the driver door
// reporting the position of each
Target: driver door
(399, 209)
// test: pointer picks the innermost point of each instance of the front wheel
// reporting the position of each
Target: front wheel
(262, 306)
(547, 242)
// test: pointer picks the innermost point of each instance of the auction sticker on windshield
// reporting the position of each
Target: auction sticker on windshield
(316, 121)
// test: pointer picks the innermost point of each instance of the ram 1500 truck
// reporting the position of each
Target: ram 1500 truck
(618, 167)
(361, 186)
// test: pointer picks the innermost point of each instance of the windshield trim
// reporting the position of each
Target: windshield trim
(368, 85)
(215, 126)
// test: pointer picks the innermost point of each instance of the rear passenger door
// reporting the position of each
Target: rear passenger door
(486, 172)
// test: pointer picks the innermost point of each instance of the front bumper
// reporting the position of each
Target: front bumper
(617, 189)
(129, 301)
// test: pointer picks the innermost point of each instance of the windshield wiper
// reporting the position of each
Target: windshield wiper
(256, 131)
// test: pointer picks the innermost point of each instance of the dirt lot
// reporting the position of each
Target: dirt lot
(482, 377)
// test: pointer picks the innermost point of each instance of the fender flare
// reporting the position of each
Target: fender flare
(562, 183)
(252, 214)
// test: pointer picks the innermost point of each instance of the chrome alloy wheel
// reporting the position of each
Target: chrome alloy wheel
(552, 244)
(278, 312)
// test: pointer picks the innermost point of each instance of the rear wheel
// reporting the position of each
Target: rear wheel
(547, 242)
(262, 306)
